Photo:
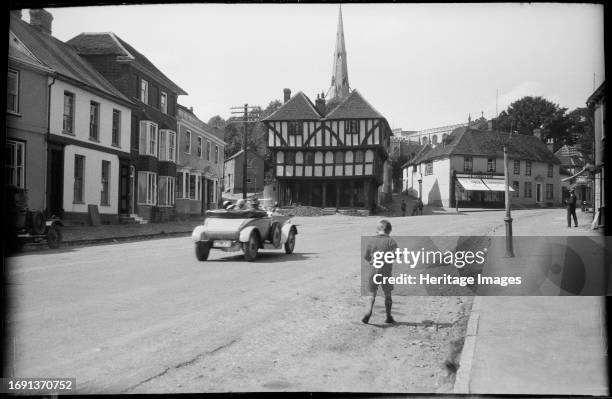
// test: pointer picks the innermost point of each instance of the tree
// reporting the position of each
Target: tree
(530, 113)
(218, 122)
(256, 133)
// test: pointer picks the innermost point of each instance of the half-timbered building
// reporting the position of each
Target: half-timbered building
(328, 159)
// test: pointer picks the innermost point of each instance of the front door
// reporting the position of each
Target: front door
(203, 194)
(56, 181)
(124, 188)
(538, 192)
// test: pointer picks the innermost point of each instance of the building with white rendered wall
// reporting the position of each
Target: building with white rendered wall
(89, 124)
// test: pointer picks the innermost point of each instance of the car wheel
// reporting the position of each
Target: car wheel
(54, 237)
(290, 243)
(251, 247)
(202, 249)
(276, 235)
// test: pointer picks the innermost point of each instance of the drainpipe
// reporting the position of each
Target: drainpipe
(47, 137)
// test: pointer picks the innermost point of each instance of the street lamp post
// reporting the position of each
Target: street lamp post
(507, 218)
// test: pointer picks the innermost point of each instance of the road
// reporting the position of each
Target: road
(146, 317)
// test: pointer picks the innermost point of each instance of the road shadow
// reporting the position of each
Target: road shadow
(29, 251)
(268, 257)
(426, 323)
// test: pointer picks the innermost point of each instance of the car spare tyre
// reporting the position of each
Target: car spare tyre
(37, 223)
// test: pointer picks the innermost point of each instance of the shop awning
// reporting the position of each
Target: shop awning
(472, 184)
(475, 184)
(496, 184)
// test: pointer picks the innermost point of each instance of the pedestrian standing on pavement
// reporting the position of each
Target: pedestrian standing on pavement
(383, 243)
(403, 207)
(420, 206)
(571, 209)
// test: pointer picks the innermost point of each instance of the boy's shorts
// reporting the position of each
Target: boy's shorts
(385, 271)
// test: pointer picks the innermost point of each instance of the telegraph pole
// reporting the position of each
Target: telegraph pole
(508, 218)
(246, 119)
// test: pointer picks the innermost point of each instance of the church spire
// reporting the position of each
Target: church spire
(339, 89)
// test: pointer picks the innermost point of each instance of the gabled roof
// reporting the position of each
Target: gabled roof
(354, 106)
(61, 58)
(570, 156)
(298, 107)
(472, 142)
(107, 43)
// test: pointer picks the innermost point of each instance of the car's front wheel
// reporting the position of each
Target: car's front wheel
(251, 247)
(290, 243)
(202, 249)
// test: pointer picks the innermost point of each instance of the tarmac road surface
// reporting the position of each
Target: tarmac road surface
(147, 317)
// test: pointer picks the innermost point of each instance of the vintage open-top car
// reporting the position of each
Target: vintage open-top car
(246, 230)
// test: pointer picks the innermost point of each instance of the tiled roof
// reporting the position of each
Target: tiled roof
(298, 107)
(61, 58)
(107, 43)
(568, 155)
(464, 141)
(354, 106)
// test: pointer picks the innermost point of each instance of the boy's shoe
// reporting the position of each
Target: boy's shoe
(366, 319)
(390, 320)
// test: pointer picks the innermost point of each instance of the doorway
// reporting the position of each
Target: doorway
(124, 188)
(56, 181)
(538, 192)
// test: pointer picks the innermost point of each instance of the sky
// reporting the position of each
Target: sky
(420, 65)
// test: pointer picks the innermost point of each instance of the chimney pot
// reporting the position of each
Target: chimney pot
(286, 94)
(41, 19)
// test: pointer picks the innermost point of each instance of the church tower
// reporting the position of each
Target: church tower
(339, 89)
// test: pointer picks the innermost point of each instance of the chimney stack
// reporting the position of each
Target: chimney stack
(537, 133)
(287, 94)
(320, 104)
(41, 19)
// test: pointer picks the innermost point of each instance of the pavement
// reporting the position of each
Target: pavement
(528, 344)
(89, 235)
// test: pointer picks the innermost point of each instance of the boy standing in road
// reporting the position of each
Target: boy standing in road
(403, 207)
(383, 243)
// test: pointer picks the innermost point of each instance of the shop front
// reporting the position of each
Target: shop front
(475, 191)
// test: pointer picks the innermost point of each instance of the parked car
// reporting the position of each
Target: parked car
(27, 225)
(243, 230)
